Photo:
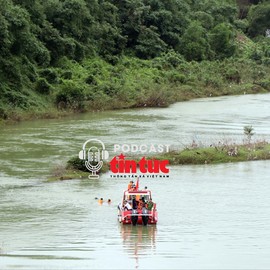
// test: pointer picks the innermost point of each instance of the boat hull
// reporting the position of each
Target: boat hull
(128, 217)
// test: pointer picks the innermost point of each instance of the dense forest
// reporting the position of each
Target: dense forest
(82, 55)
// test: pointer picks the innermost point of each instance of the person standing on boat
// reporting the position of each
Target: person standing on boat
(131, 183)
(150, 205)
(141, 204)
(134, 203)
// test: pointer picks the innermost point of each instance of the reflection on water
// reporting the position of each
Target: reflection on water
(138, 240)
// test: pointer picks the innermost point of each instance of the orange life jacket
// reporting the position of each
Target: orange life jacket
(140, 205)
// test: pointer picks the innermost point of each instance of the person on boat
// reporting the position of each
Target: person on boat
(150, 205)
(120, 207)
(131, 183)
(133, 187)
(134, 202)
(141, 204)
(127, 206)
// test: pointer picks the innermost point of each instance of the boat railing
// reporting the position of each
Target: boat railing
(129, 215)
(150, 213)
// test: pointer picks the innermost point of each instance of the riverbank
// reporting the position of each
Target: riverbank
(160, 55)
(192, 155)
(96, 85)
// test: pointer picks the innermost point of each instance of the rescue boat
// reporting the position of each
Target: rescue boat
(136, 215)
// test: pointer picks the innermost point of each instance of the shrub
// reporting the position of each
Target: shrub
(222, 41)
(91, 80)
(67, 75)
(195, 42)
(213, 81)
(42, 86)
(176, 77)
(265, 84)
(3, 114)
(77, 164)
(156, 97)
(110, 89)
(241, 24)
(233, 75)
(50, 75)
(70, 96)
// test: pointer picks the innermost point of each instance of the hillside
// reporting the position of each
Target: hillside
(64, 56)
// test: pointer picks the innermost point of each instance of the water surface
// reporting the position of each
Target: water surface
(210, 216)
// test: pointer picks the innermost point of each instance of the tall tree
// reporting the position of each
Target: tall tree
(195, 44)
(222, 41)
(259, 19)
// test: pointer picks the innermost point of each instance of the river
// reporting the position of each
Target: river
(210, 216)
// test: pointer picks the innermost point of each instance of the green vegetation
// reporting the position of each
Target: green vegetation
(191, 155)
(64, 56)
(219, 154)
(248, 131)
(74, 169)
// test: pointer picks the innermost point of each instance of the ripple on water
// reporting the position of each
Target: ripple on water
(209, 216)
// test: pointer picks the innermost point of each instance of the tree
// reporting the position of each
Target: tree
(107, 31)
(170, 18)
(248, 131)
(194, 42)
(5, 41)
(132, 14)
(165, 21)
(206, 20)
(220, 10)
(222, 41)
(70, 18)
(149, 43)
(258, 18)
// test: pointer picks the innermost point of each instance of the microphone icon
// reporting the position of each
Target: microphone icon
(93, 157)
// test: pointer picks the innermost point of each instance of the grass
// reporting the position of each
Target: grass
(69, 175)
(192, 155)
(74, 169)
(219, 154)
